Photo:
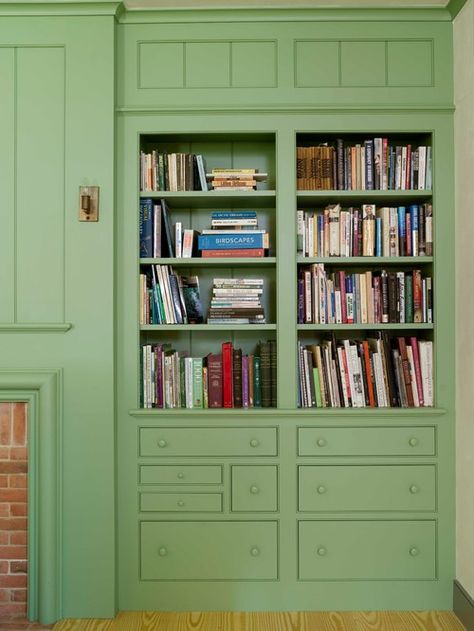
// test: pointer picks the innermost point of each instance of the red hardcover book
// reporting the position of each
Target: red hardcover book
(227, 377)
(214, 377)
(416, 361)
(408, 235)
(368, 372)
(402, 347)
(417, 296)
(244, 253)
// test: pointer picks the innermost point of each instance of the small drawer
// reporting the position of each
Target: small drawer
(181, 502)
(208, 550)
(366, 441)
(367, 550)
(180, 474)
(367, 488)
(254, 488)
(208, 441)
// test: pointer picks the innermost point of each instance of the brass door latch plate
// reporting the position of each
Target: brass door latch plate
(89, 203)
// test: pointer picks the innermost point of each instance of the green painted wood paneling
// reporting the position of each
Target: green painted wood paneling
(317, 64)
(40, 163)
(363, 64)
(161, 65)
(254, 64)
(254, 488)
(180, 474)
(167, 502)
(207, 64)
(7, 185)
(410, 63)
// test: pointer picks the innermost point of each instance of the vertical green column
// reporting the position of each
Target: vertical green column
(286, 268)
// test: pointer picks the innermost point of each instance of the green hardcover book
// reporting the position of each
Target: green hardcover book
(273, 372)
(182, 383)
(197, 383)
(409, 298)
(317, 388)
(257, 382)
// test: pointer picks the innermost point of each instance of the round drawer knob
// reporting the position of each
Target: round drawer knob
(322, 551)
(255, 551)
(180, 475)
(321, 489)
(254, 442)
(413, 442)
(414, 489)
(180, 503)
(163, 551)
(162, 443)
(254, 489)
(321, 442)
(414, 552)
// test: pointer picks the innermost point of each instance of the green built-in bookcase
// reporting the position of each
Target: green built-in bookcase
(281, 508)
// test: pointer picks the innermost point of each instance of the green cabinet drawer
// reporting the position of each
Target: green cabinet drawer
(208, 550)
(367, 488)
(208, 441)
(366, 441)
(180, 474)
(181, 502)
(367, 550)
(254, 488)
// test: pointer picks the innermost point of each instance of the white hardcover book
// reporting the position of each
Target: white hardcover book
(411, 368)
(337, 301)
(337, 396)
(363, 298)
(177, 381)
(334, 217)
(300, 231)
(163, 279)
(393, 251)
(315, 292)
(307, 376)
(322, 294)
(188, 238)
(363, 183)
(231, 223)
(342, 370)
(429, 292)
(378, 160)
(347, 349)
(178, 239)
(357, 390)
(398, 171)
(369, 297)
(311, 236)
(342, 233)
(384, 214)
(308, 315)
(330, 301)
(403, 185)
(379, 381)
(428, 170)
(188, 381)
(425, 350)
(201, 171)
(424, 301)
(421, 168)
(362, 385)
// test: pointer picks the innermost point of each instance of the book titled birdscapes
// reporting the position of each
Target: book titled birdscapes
(234, 234)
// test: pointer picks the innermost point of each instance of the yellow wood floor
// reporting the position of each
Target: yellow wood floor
(291, 621)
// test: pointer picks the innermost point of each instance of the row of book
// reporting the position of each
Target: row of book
(366, 231)
(370, 297)
(374, 164)
(172, 172)
(237, 301)
(235, 179)
(230, 379)
(169, 298)
(376, 372)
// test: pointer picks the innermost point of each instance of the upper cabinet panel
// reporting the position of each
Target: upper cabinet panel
(278, 63)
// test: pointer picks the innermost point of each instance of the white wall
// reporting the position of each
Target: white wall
(464, 138)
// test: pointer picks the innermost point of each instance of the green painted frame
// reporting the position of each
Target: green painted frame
(41, 391)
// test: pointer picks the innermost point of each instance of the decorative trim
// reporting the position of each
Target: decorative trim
(455, 6)
(288, 109)
(40, 327)
(59, 7)
(463, 606)
(41, 391)
(314, 415)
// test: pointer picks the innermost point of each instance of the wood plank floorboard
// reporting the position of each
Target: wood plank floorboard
(270, 621)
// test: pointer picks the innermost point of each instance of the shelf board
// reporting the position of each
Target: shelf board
(366, 260)
(267, 261)
(208, 327)
(301, 414)
(366, 327)
(213, 199)
(320, 197)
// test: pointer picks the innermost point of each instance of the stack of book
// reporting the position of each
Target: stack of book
(369, 297)
(376, 372)
(235, 238)
(172, 172)
(236, 301)
(229, 379)
(168, 298)
(368, 231)
(235, 179)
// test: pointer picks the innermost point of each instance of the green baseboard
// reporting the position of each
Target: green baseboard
(463, 606)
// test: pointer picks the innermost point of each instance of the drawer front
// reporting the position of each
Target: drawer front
(181, 502)
(367, 488)
(208, 441)
(180, 474)
(367, 550)
(366, 441)
(173, 550)
(254, 488)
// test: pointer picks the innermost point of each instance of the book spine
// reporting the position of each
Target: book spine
(245, 382)
(237, 377)
(265, 367)
(242, 253)
(257, 382)
(146, 228)
(227, 374)
(197, 383)
(230, 241)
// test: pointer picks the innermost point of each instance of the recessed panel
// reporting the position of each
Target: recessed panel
(207, 64)
(410, 63)
(317, 64)
(161, 65)
(254, 65)
(363, 64)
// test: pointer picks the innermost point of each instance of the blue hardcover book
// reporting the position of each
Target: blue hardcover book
(146, 228)
(234, 214)
(414, 229)
(369, 164)
(378, 236)
(320, 222)
(230, 241)
(402, 233)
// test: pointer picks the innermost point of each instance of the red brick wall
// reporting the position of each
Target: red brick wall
(13, 510)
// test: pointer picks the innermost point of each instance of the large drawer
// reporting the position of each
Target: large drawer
(367, 488)
(208, 550)
(181, 502)
(367, 550)
(366, 441)
(208, 441)
(180, 474)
